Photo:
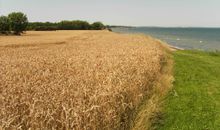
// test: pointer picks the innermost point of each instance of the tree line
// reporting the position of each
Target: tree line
(17, 23)
(65, 25)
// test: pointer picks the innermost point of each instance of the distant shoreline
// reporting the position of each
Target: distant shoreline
(175, 48)
(115, 26)
(170, 46)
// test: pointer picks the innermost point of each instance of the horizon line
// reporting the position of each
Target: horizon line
(164, 26)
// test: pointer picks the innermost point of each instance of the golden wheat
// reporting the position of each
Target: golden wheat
(74, 79)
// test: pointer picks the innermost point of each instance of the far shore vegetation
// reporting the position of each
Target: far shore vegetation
(17, 22)
(65, 25)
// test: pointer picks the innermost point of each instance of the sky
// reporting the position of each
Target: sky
(165, 13)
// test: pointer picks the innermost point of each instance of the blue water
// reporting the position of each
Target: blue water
(186, 38)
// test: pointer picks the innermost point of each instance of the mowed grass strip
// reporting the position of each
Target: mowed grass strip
(194, 102)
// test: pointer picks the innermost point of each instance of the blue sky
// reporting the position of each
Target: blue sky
(167, 13)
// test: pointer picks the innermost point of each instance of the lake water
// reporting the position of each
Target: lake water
(186, 38)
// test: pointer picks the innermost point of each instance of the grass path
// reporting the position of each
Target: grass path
(194, 102)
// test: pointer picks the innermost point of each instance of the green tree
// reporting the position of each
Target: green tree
(73, 25)
(65, 25)
(4, 24)
(98, 26)
(18, 22)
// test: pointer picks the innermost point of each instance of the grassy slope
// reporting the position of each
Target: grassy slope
(194, 102)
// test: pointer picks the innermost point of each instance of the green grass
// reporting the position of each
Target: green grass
(194, 101)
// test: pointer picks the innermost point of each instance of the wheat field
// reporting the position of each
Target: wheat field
(82, 80)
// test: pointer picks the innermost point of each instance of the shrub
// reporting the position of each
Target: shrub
(41, 26)
(65, 25)
(98, 26)
(18, 22)
(45, 28)
(4, 24)
(74, 25)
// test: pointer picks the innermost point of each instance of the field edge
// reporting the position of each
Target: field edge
(148, 112)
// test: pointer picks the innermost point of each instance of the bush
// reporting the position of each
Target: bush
(18, 22)
(40, 26)
(98, 26)
(45, 28)
(65, 25)
(73, 25)
(4, 24)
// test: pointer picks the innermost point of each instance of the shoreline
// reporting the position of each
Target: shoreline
(173, 48)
